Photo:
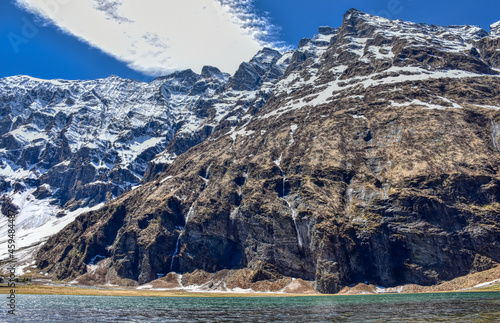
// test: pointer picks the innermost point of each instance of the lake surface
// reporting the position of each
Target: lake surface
(445, 307)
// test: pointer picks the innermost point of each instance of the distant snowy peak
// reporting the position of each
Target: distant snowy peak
(211, 72)
(495, 29)
(30, 81)
(364, 25)
(266, 57)
(371, 51)
(371, 38)
(265, 67)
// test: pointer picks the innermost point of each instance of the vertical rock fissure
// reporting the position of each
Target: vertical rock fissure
(283, 197)
(175, 254)
(278, 163)
(207, 176)
(294, 218)
(176, 251)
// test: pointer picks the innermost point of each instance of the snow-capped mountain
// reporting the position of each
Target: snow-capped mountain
(67, 145)
(370, 153)
(495, 29)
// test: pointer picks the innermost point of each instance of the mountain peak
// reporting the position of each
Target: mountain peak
(360, 24)
(209, 71)
(495, 29)
(352, 12)
(355, 15)
(266, 56)
(259, 69)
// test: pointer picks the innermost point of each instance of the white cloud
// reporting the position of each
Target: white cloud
(160, 36)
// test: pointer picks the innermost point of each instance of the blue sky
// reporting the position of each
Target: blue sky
(113, 37)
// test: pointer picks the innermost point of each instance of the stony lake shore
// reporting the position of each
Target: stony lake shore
(487, 281)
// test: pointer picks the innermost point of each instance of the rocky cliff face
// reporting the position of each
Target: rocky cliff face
(373, 157)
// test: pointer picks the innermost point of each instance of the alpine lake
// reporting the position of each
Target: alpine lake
(438, 307)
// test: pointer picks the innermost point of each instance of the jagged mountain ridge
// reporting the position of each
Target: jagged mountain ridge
(315, 183)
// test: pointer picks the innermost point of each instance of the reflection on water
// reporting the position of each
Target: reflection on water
(446, 307)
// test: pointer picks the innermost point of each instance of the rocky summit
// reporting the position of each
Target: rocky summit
(369, 154)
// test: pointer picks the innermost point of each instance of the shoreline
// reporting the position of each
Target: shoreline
(170, 286)
(132, 292)
(29, 289)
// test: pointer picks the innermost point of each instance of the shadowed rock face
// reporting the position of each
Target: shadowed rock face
(373, 159)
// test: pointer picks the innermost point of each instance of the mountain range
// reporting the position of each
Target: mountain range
(368, 154)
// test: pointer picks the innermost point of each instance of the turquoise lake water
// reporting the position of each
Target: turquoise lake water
(445, 307)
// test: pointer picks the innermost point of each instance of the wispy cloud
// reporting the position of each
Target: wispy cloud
(160, 36)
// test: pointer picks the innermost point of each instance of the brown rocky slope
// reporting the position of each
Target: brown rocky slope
(376, 159)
